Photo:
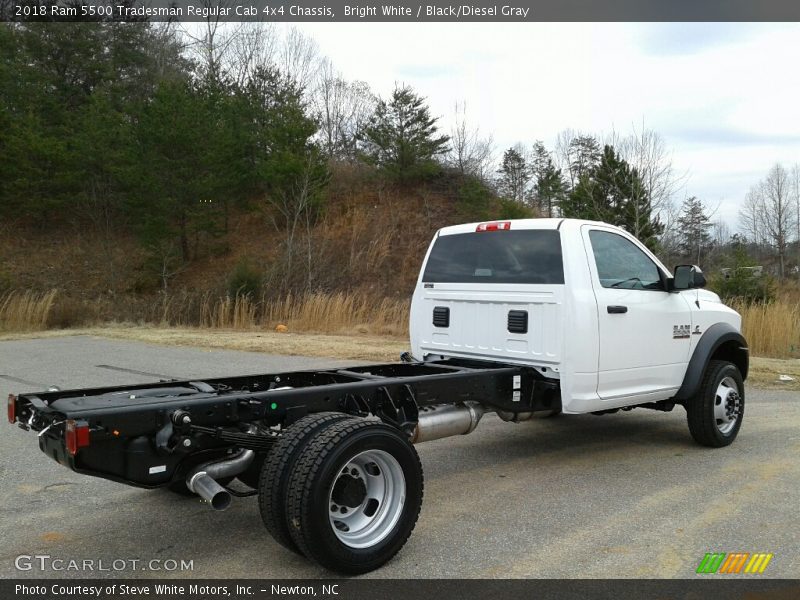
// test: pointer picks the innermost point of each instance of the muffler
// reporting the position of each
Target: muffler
(202, 479)
(445, 420)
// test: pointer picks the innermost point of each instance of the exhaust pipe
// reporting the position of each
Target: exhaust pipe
(209, 490)
(202, 479)
(445, 420)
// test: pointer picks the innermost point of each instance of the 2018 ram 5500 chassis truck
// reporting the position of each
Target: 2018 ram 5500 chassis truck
(523, 317)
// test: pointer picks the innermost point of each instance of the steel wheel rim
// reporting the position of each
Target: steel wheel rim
(727, 405)
(366, 498)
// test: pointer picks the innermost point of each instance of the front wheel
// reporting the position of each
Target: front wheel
(716, 411)
(354, 495)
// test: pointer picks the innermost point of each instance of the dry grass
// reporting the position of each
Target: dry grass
(771, 330)
(317, 312)
(228, 313)
(324, 313)
(25, 311)
(339, 313)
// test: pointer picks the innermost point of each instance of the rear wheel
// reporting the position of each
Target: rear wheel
(716, 411)
(354, 495)
(277, 468)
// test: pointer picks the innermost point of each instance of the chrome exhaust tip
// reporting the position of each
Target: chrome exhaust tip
(209, 490)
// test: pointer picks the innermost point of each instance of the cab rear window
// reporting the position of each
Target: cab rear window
(522, 256)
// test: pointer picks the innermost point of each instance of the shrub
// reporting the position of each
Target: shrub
(245, 280)
(511, 209)
(742, 283)
(474, 200)
(6, 282)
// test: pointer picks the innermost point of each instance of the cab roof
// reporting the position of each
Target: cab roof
(517, 224)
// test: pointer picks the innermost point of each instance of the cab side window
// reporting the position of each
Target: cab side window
(621, 264)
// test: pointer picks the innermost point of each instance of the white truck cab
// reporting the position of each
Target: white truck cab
(587, 306)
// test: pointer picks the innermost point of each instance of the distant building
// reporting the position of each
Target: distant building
(756, 271)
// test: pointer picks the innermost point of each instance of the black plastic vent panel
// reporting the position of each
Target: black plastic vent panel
(518, 321)
(441, 316)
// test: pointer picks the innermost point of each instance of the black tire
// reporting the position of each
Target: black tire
(278, 465)
(311, 498)
(705, 427)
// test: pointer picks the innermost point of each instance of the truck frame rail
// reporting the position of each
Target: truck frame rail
(150, 435)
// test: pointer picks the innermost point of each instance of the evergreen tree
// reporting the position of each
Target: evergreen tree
(52, 75)
(613, 192)
(276, 132)
(584, 155)
(694, 226)
(176, 150)
(514, 175)
(287, 169)
(402, 138)
(548, 182)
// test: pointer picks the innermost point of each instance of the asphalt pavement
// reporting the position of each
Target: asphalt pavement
(624, 495)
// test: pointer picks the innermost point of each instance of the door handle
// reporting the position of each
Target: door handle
(617, 310)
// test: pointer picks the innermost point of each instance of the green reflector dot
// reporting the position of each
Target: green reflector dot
(273, 406)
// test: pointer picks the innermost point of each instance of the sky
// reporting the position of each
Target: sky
(725, 97)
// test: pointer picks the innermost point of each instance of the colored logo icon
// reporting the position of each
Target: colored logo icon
(734, 563)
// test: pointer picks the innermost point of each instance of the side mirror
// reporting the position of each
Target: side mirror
(687, 277)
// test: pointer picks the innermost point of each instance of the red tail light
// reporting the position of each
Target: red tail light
(12, 408)
(494, 226)
(76, 435)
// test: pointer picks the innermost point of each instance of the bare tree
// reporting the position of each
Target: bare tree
(796, 193)
(168, 43)
(299, 58)
(751, 217)
(253, 46)
(720, 233)
(561, 154)
(645, 151)
(769, 212)
(342, 109)
(236, 50)
(211, 42)
(469, 154)
(720, 237)
(296, 205)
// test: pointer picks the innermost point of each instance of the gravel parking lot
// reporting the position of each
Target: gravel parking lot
(625, 495)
